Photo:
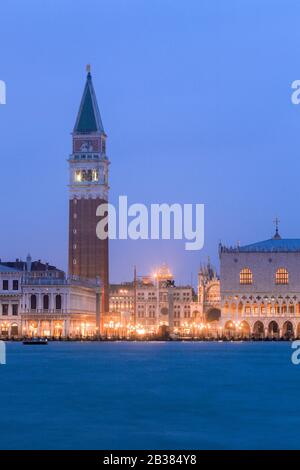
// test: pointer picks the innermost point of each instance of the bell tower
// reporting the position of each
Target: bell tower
(88, 188)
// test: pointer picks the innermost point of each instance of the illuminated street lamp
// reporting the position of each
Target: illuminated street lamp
(141, 331)
(220, 331)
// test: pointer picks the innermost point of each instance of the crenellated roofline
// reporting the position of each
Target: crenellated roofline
(272, 245)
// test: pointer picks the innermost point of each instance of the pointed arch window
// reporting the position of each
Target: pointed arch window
(246, 276)
(282, 276)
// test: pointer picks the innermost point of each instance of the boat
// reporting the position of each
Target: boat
(33, 341)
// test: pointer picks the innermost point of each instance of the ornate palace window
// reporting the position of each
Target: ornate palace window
(246, 276)
(46, 302)
(282, 276)
(33, 302)
(58, 302)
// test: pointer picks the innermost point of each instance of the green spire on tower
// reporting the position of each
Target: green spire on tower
(88, 118)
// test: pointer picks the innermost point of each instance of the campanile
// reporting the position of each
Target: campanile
(88, 188)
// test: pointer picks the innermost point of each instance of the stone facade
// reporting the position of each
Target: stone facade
(149, 305)
(207, 307)
(10, 301)
(38, 300)
(58, 309)
(260, 288)
(209, 293)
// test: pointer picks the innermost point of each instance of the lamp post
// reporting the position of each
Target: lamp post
(99, 297)
(220, 332)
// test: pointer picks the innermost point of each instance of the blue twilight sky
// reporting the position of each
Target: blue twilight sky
(195, 99)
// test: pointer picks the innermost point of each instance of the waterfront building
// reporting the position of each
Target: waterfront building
(58, 308)
(209, 292)
(260, 288)
(10, 301)
(150, 305)
(36, 299)
(207, 306)
(88, 188)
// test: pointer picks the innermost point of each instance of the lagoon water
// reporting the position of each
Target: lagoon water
(156, 395)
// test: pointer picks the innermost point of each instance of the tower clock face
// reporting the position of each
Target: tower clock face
(87, 146)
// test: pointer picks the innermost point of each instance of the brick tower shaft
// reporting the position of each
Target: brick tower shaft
(88, 188)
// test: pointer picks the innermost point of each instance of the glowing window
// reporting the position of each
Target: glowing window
(282, 276)
(95, 175)
(246, 276)
(78, 177)
(86, 176)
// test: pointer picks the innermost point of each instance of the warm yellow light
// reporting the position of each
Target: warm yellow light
(95, 175)
(78, 176)
(141, 331)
